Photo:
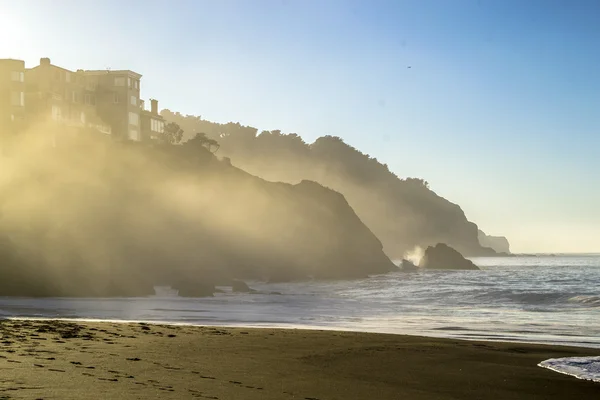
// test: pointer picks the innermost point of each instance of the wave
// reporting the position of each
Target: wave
(587, 368)
(587, 300)
(541, 298)
(529, 298)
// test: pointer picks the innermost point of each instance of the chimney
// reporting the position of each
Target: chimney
(44, 61)
(154, 106)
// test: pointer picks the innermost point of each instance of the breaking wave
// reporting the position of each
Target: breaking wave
(587, 368)
(590, 301)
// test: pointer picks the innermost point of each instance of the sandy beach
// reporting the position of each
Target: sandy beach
(67, 360)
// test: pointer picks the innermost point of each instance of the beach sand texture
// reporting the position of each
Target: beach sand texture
(69, 360)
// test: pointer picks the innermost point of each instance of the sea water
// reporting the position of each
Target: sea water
(539, 299)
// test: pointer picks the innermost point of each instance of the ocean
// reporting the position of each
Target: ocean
(533, 299)
(541, 299)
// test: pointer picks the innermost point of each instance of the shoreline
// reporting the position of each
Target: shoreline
(317, 328)
(51, 359)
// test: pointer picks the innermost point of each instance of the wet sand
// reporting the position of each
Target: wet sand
(65, 360)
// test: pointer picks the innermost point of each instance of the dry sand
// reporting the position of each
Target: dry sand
(65, 360)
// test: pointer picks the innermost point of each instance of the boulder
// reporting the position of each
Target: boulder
(241, 287)
(407, 266)
(443, 257)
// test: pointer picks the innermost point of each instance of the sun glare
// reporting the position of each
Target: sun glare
(11, 33)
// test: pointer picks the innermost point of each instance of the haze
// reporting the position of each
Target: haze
(494, 103)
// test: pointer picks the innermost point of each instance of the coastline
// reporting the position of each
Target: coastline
(54, 359)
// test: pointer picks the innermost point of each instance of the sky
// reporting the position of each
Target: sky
(495, 103)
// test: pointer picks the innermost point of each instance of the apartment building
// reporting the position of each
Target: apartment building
(56, 93)
(118, 100)
(105, 100)
(12, 94)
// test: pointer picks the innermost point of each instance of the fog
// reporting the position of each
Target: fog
(87, 215)
(403, 212)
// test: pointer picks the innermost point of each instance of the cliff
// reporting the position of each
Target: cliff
(499, 244)
(100, 218)
(403, 213)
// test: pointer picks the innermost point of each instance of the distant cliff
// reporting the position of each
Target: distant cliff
(114, 219)
(497, 243)
(403, 213)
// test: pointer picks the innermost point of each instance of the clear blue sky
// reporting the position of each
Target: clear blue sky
(500, 110)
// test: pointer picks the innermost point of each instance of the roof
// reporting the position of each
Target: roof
(12, 61)
(51, 65)
(113, 72)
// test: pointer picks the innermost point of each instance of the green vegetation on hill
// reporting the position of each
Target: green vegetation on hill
(403, 213)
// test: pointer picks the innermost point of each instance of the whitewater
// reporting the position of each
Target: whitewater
(536, 299)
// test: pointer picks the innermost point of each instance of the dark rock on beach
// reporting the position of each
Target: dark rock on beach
(443, 257)
(407, 266)
(241, 287)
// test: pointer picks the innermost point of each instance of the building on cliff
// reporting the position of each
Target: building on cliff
(152, 123)
(12, 94)
(102, 100)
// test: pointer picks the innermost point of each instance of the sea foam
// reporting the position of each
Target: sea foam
(587, 368)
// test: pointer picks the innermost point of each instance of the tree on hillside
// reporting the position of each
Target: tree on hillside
(200, 139)
(172, 133)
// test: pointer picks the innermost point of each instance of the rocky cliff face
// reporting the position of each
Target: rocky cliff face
(115, 219)
(499, 244)
(403, 213)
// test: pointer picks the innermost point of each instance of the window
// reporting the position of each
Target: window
(134, 119)
(90, 99)
(67, 76)
(133, 100)
(17, 99)
(75, 97)
(128, 81)
(116, 98)
(120, 81)
(134, 135)
(136, 84)
(157, 125)
(82, 117)
(56, 113)
(91, 84)
(17, 76)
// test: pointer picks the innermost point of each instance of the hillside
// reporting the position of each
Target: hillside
(104, 218)
(403, 213)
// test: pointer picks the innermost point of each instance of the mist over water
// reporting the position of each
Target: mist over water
(530, 299)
